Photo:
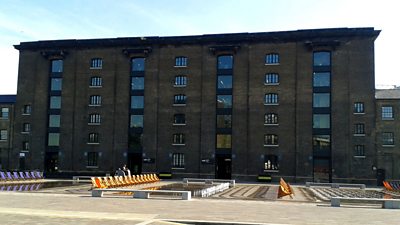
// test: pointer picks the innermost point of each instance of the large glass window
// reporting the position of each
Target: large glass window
(271, 98)
(94, 118)
(272, 58)
(25, 146)
(54, 120)
(224, 141)
(93, 138)
(3, 135)
(96, 63)
(321, 100)
(4, 113)
(138, 64)
(178, 139)
(26, 127)
(321, 142)
(179, 118)
(180, 80)
(92, 158)
(96, 82)
(322, 79)
(271, 78)
(56, 84)
(180, 99)
(224, 121)
(359, 150)
(53, 139)
(56, 66)
(225, 62)
(181, 61)
(322, 58)
(136, 121)
(137, 83)
(270, 139)
(387, 112)
(27, 110)
(95, 100)
(271, 118)
(55, 102)
(359, 128)
(135, 140)
(387, 138)
(178, 160)
(358, 107)
(224, 101)
(224, 82)
(271, 162)
(137, 102)
(321, 121)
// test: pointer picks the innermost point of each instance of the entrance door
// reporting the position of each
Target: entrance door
(322, 170)
(21, 161)
(51, 162)
(223, 167)
(134, 163)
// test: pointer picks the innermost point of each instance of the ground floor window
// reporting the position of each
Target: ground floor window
(92, 158)
(178, 160)
(271, 162)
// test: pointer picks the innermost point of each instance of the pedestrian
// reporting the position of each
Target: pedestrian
(126, 170)
(119, 172)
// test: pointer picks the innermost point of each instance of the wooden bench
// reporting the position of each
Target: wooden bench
(386, 203)
(209, 181)
(143, 194)
(335, 185)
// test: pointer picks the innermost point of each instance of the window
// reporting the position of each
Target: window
(57, 66)
(136, 121)
(271, 162)
(224, 101)
(322, 79)
(321, 100)
(138, 64)
(96, 82)
(225, 62)
(135, 140)
(93, 138)
(359, 129)
(180, 81)
(56, 84)
(387, 138)
(358, 107)
(178, 139)
(271, 118)
(3, 135)
(270, 139)
(224, 141)
(137, 83)
(225, 82)
(94, 119)
(53, 139)
(178, 160)
(4, 113)
(181, 61)
(96, 63)
(27, 110)
(359, 150)
(92, 158)
(55, 102)
(224, 121)
(322, 58)
(137, 102)
(387, 112)
(54, 120)
(25, 145)
(180, 99)
(271, 99)
(95, 100)
(321, 142)
(179, 119)
(321, 121)
(272, 58)
(26, 127)
(271, 78)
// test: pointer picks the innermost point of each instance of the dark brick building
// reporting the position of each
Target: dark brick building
(289, 104)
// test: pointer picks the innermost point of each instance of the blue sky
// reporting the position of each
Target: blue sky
(24, 20)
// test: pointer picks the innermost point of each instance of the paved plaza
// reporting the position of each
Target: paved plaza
(71, 206)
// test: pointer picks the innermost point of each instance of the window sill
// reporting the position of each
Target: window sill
(359, 156)
(359, 135)
(271, 103)
(271, 84)
(94, 124)
(26, 114)
(271, 171)
(89, 143)
(94, 105)
(180, 66)
(359, 113)
(271, 145)
(179, 105)
(2, 118)
(179, 124)
(271, 124)
(178, 168)
(25, 132)
(95, 86)
(388, 119)
(179, 86)
(3, 140)
(388, 146)
(272, 64)
(178, 144)
(92, 167)
(96, 68)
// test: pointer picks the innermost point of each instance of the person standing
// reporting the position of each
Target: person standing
(126, 171)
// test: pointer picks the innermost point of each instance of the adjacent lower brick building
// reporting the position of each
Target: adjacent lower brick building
(6, 130)
(293, 104)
